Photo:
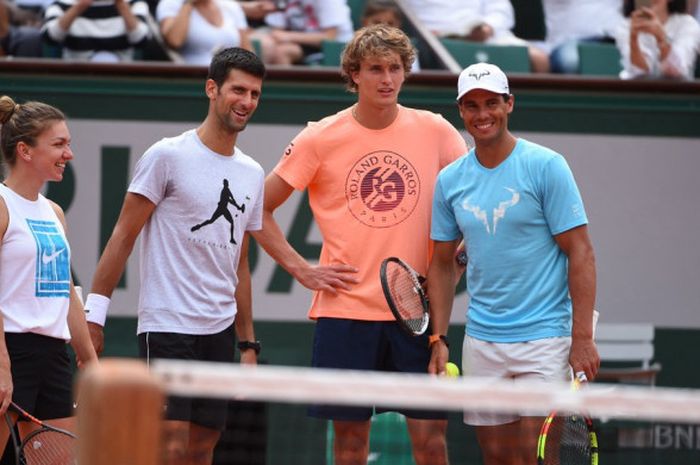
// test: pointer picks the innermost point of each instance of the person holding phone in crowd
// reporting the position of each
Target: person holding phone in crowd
(659, 39)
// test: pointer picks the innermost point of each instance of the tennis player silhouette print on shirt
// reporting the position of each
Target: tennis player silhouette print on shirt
(225, 198)
(52, 271)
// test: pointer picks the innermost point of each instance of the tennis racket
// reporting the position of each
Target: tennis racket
(403, 290)
(568, 438)
(47, 445)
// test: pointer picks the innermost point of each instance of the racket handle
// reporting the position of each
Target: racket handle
(581, 377)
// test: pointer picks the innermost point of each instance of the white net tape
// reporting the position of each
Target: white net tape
(418, 391)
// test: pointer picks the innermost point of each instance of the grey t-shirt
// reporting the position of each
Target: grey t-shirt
(190, 246)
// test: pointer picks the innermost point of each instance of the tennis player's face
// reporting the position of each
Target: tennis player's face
(485, 115)
(379, 79)
(236, 100)
(51, 153)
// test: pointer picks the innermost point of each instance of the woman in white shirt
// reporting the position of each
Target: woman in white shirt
(197, 29)
(39, 308)
(658, 41)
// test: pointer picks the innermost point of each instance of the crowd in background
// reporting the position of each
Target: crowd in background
(655, 38)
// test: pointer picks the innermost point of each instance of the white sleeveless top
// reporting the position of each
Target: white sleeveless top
(34, 268)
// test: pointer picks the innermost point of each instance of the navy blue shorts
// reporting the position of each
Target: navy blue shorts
(42, 375)
(368, 345)
(219, 347)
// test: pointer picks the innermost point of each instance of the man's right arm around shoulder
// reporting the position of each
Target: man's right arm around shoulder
(271, 238)
(136, 210)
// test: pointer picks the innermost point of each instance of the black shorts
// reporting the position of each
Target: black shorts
(218, 347)
(42, 375)
(368, 345)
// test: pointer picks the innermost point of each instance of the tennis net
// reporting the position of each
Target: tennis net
(634, 424)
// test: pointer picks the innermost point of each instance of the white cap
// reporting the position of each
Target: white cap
(482, 76)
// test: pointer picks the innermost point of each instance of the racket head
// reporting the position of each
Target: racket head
(46, 445)
(405, 296)
(567, 439)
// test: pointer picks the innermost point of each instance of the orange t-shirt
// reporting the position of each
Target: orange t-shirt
(371, 195)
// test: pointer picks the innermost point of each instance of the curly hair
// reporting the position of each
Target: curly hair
(377, 40)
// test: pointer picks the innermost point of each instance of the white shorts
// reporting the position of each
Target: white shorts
(542, 360)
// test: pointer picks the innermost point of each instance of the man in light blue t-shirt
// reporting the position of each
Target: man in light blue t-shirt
(531, 271)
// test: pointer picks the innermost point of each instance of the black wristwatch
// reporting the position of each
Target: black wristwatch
(245, 345)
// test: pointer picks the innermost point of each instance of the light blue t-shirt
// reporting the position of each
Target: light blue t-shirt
(517, 274)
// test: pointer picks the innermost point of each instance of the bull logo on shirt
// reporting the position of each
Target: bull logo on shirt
(382, 189)
(498, 213)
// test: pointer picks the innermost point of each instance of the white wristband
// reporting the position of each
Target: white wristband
(96, 307)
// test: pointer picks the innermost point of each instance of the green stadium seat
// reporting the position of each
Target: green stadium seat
(331, 50)
(356, 9)
(508, 57)
(596, 58)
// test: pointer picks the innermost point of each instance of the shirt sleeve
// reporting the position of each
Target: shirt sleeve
(151, 175)
(51, 29)
(684, 36)
(300, 162)
(561, 202)
(256, 217)
(443, 225)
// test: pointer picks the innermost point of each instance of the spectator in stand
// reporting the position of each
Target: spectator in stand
(197, 29)
(97, 30)
(487, 21)
(256, 10)
(294, 34)
(19, 31)
(385, 12)
(570, 22)
(658, 41)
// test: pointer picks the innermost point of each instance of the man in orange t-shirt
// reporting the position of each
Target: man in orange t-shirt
(370, 171)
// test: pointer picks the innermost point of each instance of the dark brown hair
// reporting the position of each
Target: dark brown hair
(23, 123)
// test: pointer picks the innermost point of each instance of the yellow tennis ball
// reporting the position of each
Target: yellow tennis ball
(451, 370)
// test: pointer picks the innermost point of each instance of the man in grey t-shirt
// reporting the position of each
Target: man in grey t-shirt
(195, 285)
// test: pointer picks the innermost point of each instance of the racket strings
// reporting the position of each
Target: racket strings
(568, 442)
(48, 447)
(406, 294)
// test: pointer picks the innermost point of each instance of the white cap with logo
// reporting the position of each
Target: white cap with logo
(482, 76)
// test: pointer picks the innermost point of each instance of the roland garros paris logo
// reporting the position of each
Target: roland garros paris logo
(382, 189)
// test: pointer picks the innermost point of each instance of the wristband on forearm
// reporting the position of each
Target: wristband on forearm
(96, 307)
